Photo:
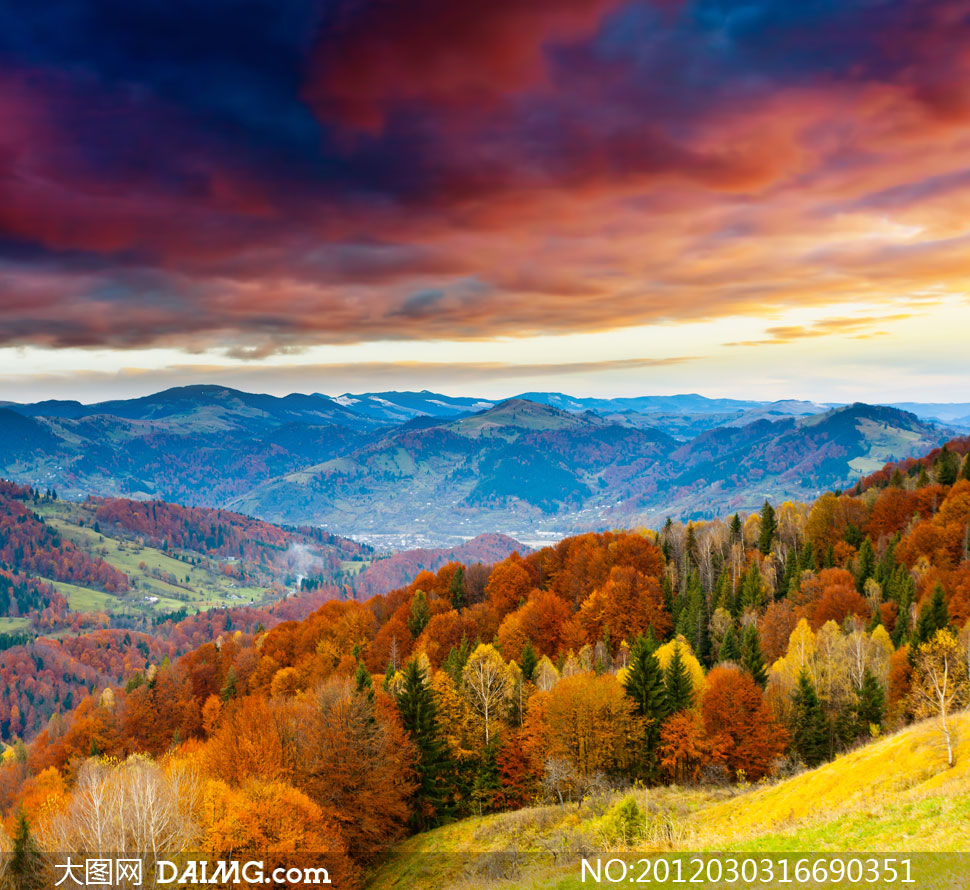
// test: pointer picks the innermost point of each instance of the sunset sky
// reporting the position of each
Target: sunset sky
(758, 199)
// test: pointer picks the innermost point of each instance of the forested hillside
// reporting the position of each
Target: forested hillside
(710, 654)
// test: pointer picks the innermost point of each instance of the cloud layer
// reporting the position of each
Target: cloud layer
(256, 178)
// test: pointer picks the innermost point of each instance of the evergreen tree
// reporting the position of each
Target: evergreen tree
(457, 588)
(456, 659)
(810, 738)
(807, 559)
(228, 690)
(703, 634)
(677, 683)
(751, 592)
(362, 681)
(644, 683)
(752, 658)
(933, 616)
(887, 564)
(737, 529)
(865, 564)
(415, 703)
(829, 561)
(947, 466)
(25, 861)
(923, 479)
(870, 708)
(670, 601)
(419, 615)
(769, 528)
(487, 785)
(966, 466)
(730, 647)
(791, 575)
(529, 660)
(690, 549)
(724, 594)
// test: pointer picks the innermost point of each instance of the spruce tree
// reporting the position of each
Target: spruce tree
(677, 683)
(644, 683)
(806, 561)
(810, 738)
(415, 703)
(456, 659)
(362, 681)
(933, 616)
(456, 589)
(947, 466)
(730, 647)
(865, 564)
(870, 708)
(752, 658)
(529, 660)
(25, 861)
(769, 528)
(751, 592)
(790, 576)
(419, 615)
(737, 529)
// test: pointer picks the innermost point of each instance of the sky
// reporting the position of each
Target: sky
(759, 199)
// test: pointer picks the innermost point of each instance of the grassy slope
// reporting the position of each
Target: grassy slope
(203, 589)
(892, 795)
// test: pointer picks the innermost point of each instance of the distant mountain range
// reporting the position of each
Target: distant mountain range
(400, 462)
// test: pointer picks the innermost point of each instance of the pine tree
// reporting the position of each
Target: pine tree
(933, 616)
(456, 589)
(677, 683)
(737, 529)
(415, 703)
(644, 683)
(730, 647)
(810, 738)
(870, 708)
(769, 528)
(529, 660)
(752, 658)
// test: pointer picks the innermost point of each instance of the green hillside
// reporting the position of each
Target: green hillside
(895, 796)
(161, 582)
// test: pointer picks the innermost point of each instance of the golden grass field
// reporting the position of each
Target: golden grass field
(895, 795)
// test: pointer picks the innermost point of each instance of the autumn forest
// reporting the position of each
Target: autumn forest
(722, 653)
